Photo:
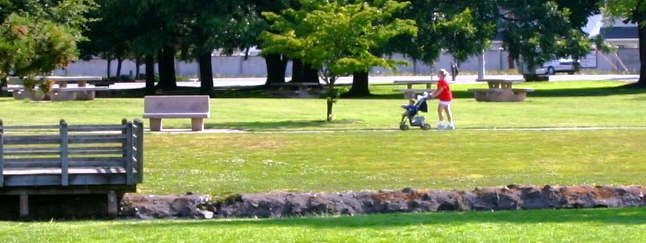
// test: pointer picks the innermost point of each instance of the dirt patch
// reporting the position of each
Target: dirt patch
(290, 204)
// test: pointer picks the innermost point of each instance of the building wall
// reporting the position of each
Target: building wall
(239, 66)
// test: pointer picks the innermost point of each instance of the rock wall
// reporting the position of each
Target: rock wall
(287, 204)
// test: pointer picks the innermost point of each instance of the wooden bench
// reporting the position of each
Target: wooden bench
(71, 159)
(196, 107)
(412, 93)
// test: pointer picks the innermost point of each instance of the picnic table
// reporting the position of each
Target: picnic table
(501, 90)
(295, 90)
(82, 90)
(410, 92)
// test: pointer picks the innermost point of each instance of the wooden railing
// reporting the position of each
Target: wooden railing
(71, 155)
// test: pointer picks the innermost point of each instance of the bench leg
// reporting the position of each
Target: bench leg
(63, 95)
(481, 96)
(19, 94)
(520, 96)
(197, 124)
(85, 95)
(24, 205)
(504, 96)
(155, 124)
(409, 95)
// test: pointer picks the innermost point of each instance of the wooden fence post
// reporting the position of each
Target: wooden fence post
(1, 157)
(112, 205)
(65, 163)
(129, 154)
(24, 205)
(140, 150)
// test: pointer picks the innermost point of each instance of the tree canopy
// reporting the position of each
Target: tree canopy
(36, 37)
(336, 37)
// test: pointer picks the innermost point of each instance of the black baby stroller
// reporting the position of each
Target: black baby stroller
(412, 117)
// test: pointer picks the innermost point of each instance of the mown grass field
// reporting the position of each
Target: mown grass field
(566, 133)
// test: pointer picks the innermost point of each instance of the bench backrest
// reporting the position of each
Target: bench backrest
(177, 104)
(66, 147)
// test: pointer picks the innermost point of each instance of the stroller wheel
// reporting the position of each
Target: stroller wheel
(403, 127)
(426, 126)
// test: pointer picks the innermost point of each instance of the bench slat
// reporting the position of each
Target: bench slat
(54, 171)
(55, 163)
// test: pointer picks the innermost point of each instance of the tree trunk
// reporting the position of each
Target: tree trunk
(119, 65)
(642, 54)
(276, 64)
(297, 71)
(330, 110)
(167, 78)
(206, 74)
(109, 59)
(137, 64)
(359, 85)
(150, 74)
(310, 75)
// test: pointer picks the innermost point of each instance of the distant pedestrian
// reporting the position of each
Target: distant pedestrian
(454, 70)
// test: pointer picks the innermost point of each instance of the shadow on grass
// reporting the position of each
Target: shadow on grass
(265, 125)
(616, 216)
(287, 124)
(259, 92)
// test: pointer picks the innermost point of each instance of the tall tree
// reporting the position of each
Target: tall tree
(336, 37)
(632, 11)
(276, 62)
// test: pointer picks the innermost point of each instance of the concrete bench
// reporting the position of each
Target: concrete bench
(501, 95)
(196, 107)
(16, 91)
(411, 93)
(60, 93)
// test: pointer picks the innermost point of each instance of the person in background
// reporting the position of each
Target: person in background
(454, 70)
(444, 94)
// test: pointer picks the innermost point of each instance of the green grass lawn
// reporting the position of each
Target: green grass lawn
(582, 225)
(288, 147)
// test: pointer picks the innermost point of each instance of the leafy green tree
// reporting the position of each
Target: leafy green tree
(36, 37)
(336, 37)
(631, 11)
(536, 31)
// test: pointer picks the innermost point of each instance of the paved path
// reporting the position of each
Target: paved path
(395, 129)
(227, 82)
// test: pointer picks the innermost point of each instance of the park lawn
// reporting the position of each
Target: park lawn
(582, 225)
(553, 104)
(290, 148)
(221, 164)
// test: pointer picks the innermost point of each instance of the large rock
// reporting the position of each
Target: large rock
(289, 204)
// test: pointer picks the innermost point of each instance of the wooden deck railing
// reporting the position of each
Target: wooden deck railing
(71, 155)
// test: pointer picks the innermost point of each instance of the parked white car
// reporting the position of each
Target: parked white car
(559, 66)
